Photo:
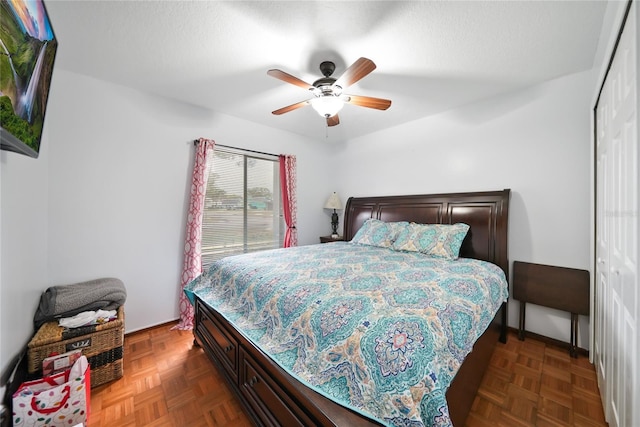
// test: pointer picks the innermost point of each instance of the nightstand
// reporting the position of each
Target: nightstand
(329, 239)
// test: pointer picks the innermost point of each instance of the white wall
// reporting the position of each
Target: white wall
(23, 253)
(119, 175)
(535, 142)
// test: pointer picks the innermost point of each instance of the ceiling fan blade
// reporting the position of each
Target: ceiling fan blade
(286, 77)
(368, 101)
(333, 120)
(355, 72)
(290, 107)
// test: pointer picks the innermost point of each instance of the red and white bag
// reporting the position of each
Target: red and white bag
(62, 399)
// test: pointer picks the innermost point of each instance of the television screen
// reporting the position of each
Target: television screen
(27, 52)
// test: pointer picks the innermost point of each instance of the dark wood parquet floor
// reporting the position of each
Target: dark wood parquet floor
(530, 383)
(169, 382)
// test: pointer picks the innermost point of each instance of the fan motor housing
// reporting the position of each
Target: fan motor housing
(324, 81)
(327, 68)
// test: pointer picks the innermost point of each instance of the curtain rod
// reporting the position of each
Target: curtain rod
(195, 141)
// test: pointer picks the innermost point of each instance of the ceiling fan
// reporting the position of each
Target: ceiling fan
(328, 97)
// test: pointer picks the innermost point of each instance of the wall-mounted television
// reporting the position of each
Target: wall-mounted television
(27, 52)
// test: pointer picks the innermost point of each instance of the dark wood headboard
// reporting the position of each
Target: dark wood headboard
(486, 213)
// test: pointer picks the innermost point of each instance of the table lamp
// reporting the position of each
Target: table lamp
(334, 203)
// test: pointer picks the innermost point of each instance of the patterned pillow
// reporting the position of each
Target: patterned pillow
(397, 227)
(437, 240)
(378, 233)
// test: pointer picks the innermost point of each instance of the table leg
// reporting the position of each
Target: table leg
(523, 308)
(574, 335)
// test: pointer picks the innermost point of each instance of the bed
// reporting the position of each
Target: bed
(294, 364)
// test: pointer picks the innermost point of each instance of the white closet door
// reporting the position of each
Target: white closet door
(616, 342)
(603, 313)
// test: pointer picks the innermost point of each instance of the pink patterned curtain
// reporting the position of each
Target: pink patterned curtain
(192, 266)
(288, 177)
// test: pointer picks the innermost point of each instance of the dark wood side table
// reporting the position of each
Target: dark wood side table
(561, 288)
(329, 239)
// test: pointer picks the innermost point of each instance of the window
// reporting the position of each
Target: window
(242, 209)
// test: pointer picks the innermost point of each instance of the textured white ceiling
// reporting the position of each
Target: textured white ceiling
(431, 55)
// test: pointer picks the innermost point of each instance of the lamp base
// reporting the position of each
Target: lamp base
(334, 223)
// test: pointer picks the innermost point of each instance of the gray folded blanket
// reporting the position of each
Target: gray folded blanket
(69, 300)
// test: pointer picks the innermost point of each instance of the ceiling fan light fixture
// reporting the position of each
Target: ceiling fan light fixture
(328, 98)
(327, 105)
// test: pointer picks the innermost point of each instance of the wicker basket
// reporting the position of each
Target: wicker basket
(102, 344)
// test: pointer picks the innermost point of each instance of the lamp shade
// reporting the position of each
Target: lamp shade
(333, 202)
(327, 105)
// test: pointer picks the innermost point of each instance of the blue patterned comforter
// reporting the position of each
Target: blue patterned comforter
(376, 330)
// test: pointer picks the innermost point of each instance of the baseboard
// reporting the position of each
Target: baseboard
(150, 328)
(550, 341)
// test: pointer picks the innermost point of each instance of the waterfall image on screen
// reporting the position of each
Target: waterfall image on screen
(27, 52)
